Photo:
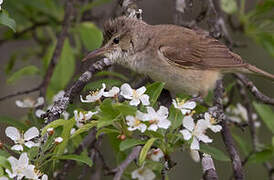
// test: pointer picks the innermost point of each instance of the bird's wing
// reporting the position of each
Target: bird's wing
(200, 51)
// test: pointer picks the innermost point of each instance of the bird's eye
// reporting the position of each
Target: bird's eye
(116, 40)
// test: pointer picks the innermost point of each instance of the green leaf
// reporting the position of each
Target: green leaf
(107, 131)
(13, 122)
(125, 109)
(242, 143)
(262, 156)
(154, 90)
(54, 124)
(145, 149)
(4, 163)
(229, 6)
(1, 171)
(84, 128)
(27, 70)
(214, 152)
(65, 135)
(63, 71)
(80, 158)
(176, 117)
(6, 20)
(47, 57)
(90, 35)
(108, 114)
(128, 143)
(266, 115)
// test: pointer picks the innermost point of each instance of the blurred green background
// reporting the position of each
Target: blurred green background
(258, 50)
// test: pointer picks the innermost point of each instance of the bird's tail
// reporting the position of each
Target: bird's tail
(254, 70)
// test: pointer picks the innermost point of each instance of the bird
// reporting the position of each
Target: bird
(186, 60)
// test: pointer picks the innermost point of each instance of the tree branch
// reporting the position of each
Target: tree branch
(69, 8)
(254, 90)
(226, 134)
(121, 168)
(21, 93)
(61, 104)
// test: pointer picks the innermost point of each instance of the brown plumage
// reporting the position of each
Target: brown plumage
(186, 60)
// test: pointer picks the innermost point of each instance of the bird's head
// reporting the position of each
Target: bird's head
(118, 39)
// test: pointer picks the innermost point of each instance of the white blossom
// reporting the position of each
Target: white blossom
(136, 96)
(195, 155)
(82, 118)
(185, 107)
(20, 139)
(3, 177)
(1, 1)
(143, 174)
(94, 95)
(58, 140)
(136, 122)
(157, 119)
(29, 103)
(196, 132)
(21, 167)
(239, 114)
(155, 154)
(112, 93)
(212, 123)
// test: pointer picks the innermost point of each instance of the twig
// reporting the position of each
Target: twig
(69, 8)
(121, 168)
(226, 134)
(253, 133)
(61, 104)
(253, 89)
(21, 93)
(33, 27)
(209, 171)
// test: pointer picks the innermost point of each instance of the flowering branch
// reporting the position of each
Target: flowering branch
(61, 104)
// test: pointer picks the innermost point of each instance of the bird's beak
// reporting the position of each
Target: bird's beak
(95, 53)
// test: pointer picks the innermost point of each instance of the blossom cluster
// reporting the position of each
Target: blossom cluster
(21, 168)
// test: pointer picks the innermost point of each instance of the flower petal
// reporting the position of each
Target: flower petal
(126, 91)
(189, 105)
(215, 128)
(23, 159)
(153, 127)
(134, 102)
(39, 113)
(207, 116)
(186, 134)
(162, 112)
(204, 138)
(40, 101)
(141, 90)
(195, 155)
(31, 133)
(195, 145)
(111, 93)
(188, 123)
(142, 127)
(145, 99)
(12, 133)
(17, 147)
(31, 144)
(164, 123)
